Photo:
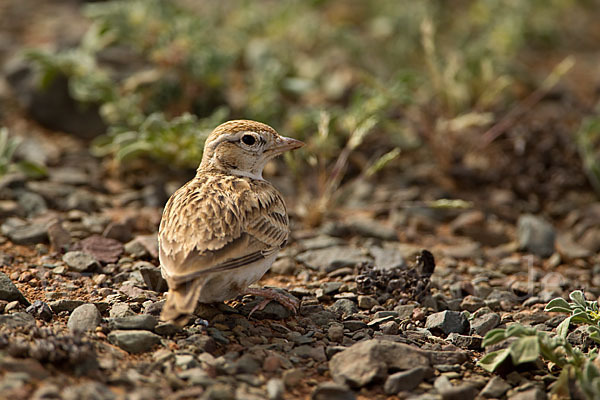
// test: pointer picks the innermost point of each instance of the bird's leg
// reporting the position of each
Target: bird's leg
(270, 295)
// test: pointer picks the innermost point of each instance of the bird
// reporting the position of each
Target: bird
(221, 231)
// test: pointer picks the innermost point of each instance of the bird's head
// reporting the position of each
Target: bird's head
(243, 148)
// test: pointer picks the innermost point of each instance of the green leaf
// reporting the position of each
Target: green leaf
(578, 297)
(563, 329)
(524, 350)
(492, 360)
(494, 336)
(558, 305)
(31, 169)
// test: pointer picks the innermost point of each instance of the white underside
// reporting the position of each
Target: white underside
(221, 286)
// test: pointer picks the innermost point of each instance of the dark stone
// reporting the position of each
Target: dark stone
(40, 310)
(9, 292)
(406, 380)
(447, 322)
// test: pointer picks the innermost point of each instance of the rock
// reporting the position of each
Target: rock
(535, 235)
(336, 332)
(343, 307)
(332, 391)
(406, 380)
(332, 258)
(405, 311)
(465, 342)
(145, 322)
(32, 203)
(199, 343)
(366, 227)
(472, 303)
(320, 242)
(9, 292)
(40, 310)
(316, 353)
(485, 323)
(387, 258)
(88, 390)
(134, 341)
(275, 389)
(284, 266)
(292, 377)
(84, 318)
(23, 233)
(529, 394)
(366, 302)
(79, 261)
(354, 325)
(460, 392)
(120, 310)
(67, 305)
(376, 357)
(246, 364)
(495, 388)
(447, 322)
(15, 320)
(389, 328)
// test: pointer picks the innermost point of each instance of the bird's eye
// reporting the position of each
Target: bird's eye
(248, 139)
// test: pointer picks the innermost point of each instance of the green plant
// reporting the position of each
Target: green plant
(588, 144)
(581, 310)
(8, 146)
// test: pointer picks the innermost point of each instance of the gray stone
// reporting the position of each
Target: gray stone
(376, 357)
(447, 322)
(134, 341)
(405, 310)
(88, 391)
(246, 364)
(536, 235)
(406, 380)
(465, 342)
(84, 318)
(460, 392)
(79, 261)
(387, 258)
(485, 323)
(331, 287)
(120, 310)
(20, 232)
(320, 242)
(40, 310)
(336, 332)
(367, 302)
(152, 277)
(530, 394)
(332, 391)
(16, 320)
(64, 305)
(472, 303)
(495, 388)
(32, 203)
(9, 292)
(145, 322)
(284, 266)
(343, 307)
(316, 353)
(332, 258)
(354, 325)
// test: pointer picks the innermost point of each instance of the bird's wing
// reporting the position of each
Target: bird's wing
(216, 224)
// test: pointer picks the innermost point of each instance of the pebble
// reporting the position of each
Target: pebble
(24, 233)
(367, 302)
(275, 389)
(80, 261)
(40, 310)
(9, 292)
(485, 323)
(120, 310)
(465, 342)
(447, 322)
(332, 391)
(134, 341)
(84, 318)
(17, 319)
(152, 277)
(332, 258)
(144, 322)
(376, 357)
(344, 307)
(67, 305)
(406, 380)
(88, 390)
(472, 303)
(387, 258)
(336, 332)
(535, 235)
(495, 388)
(464, 391)
(529, 394)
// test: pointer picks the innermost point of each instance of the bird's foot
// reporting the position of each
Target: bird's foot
(270, 295)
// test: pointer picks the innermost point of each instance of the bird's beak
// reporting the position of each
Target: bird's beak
(286, 143)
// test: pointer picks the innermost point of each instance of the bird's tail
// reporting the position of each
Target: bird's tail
(181, 302)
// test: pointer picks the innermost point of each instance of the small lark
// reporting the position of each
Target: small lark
(221, 231)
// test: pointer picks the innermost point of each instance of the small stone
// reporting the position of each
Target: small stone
(331, 287)
(332, 391)
(387, 258)
(316, 353)
(152, 277)
(134, 341)
(80, 261)
(405, 311)
(275, 389)
(447, 322)
(485, 323)
(9, 292)
(354, 325)
(461, 392)
(389, 328)
(284, 266)
(366, 302)
(471, 303)
(536, 235)
(67, 305)
(40, 310)
(120, 310)
(88, 390)
(465, 342)
(495, 388)
(336, 332)
(292, 377)
(406, 380)
(84, 318)
(25, 233)
(344, 307)
(143, 322)
(530, 394)
(247, 364)
(332, 258)
(16, 320)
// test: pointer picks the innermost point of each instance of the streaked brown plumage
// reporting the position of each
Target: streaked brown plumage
(221, 231)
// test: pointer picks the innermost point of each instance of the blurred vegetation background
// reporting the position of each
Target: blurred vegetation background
(374, 78)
